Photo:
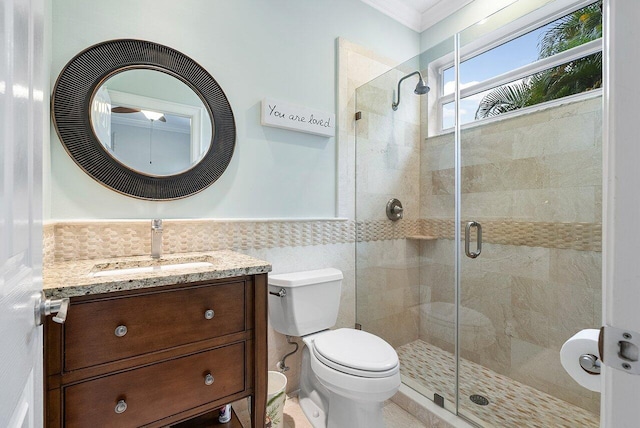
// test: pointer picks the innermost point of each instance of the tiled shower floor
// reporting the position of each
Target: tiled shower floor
(429, 369)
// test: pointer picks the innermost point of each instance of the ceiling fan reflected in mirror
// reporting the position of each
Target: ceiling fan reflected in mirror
(149, 114)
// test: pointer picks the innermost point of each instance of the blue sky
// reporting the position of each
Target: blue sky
(513, 54)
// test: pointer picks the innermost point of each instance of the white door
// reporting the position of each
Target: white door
(21, 134)
(621, 250)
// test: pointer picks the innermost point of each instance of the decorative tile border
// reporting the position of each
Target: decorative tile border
(575, 236)
(105, 239)
(48, 243)
(382, 230)
(65, 241)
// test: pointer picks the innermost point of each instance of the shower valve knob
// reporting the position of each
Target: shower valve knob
(395, 211)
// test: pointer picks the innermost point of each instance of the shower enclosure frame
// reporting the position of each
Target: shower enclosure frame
(457, 218)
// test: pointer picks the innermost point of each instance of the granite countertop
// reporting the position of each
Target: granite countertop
(86, 277)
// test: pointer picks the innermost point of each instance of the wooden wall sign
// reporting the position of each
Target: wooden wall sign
(281, 114)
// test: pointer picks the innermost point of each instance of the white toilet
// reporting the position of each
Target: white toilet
(347, 374)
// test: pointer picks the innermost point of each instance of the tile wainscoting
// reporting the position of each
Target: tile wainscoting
(86, 240)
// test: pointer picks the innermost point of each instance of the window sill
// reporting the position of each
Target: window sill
(523, 111)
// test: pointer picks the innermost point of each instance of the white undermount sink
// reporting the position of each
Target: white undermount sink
(149, 267)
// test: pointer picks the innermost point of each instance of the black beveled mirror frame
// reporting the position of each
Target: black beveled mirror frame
(71, 106)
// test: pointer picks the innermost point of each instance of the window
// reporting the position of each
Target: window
(558, 57)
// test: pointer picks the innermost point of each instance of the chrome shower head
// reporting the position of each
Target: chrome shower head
(421, 88)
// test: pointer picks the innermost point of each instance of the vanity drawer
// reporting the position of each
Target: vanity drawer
(102, 331)
(155, 392)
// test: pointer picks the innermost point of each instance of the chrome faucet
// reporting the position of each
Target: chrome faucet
(156, 238)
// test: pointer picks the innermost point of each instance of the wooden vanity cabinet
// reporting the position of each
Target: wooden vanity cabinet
(158, 356)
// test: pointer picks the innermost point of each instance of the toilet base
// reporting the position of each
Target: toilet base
(313, 395)
(316, 416)
(326, 409)
(349, 413)
(340, 412)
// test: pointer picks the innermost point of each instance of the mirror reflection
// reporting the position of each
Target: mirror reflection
(151, 122)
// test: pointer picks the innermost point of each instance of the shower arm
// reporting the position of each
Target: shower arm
(395, 105)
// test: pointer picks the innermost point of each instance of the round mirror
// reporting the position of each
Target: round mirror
(151, 122)
(143, 119)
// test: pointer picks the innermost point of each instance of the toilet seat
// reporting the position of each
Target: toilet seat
(357, 353)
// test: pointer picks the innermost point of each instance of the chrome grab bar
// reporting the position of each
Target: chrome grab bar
(467, 238)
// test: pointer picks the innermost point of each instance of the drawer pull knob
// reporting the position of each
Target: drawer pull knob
(121, 406)
(121, 330)
(209, 314)
(208, 379)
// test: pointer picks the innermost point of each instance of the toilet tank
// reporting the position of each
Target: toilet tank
(311, 302)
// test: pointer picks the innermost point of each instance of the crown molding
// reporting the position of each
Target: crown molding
(417, 20)
(439, 11)
(400, 11)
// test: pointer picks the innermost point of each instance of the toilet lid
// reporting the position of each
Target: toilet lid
(356, 352)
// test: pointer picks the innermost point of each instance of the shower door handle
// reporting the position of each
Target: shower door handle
(467, 238)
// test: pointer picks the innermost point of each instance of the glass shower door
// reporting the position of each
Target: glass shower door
(530, 211)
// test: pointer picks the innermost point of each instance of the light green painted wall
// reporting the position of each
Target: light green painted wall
(475, 12)
(285, 49)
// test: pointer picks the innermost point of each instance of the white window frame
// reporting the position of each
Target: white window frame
(504, 34)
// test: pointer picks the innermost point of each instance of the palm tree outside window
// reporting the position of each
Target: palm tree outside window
(550, 61)
(574, 77)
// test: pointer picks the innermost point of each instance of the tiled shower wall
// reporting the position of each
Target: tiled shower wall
(534, 182)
